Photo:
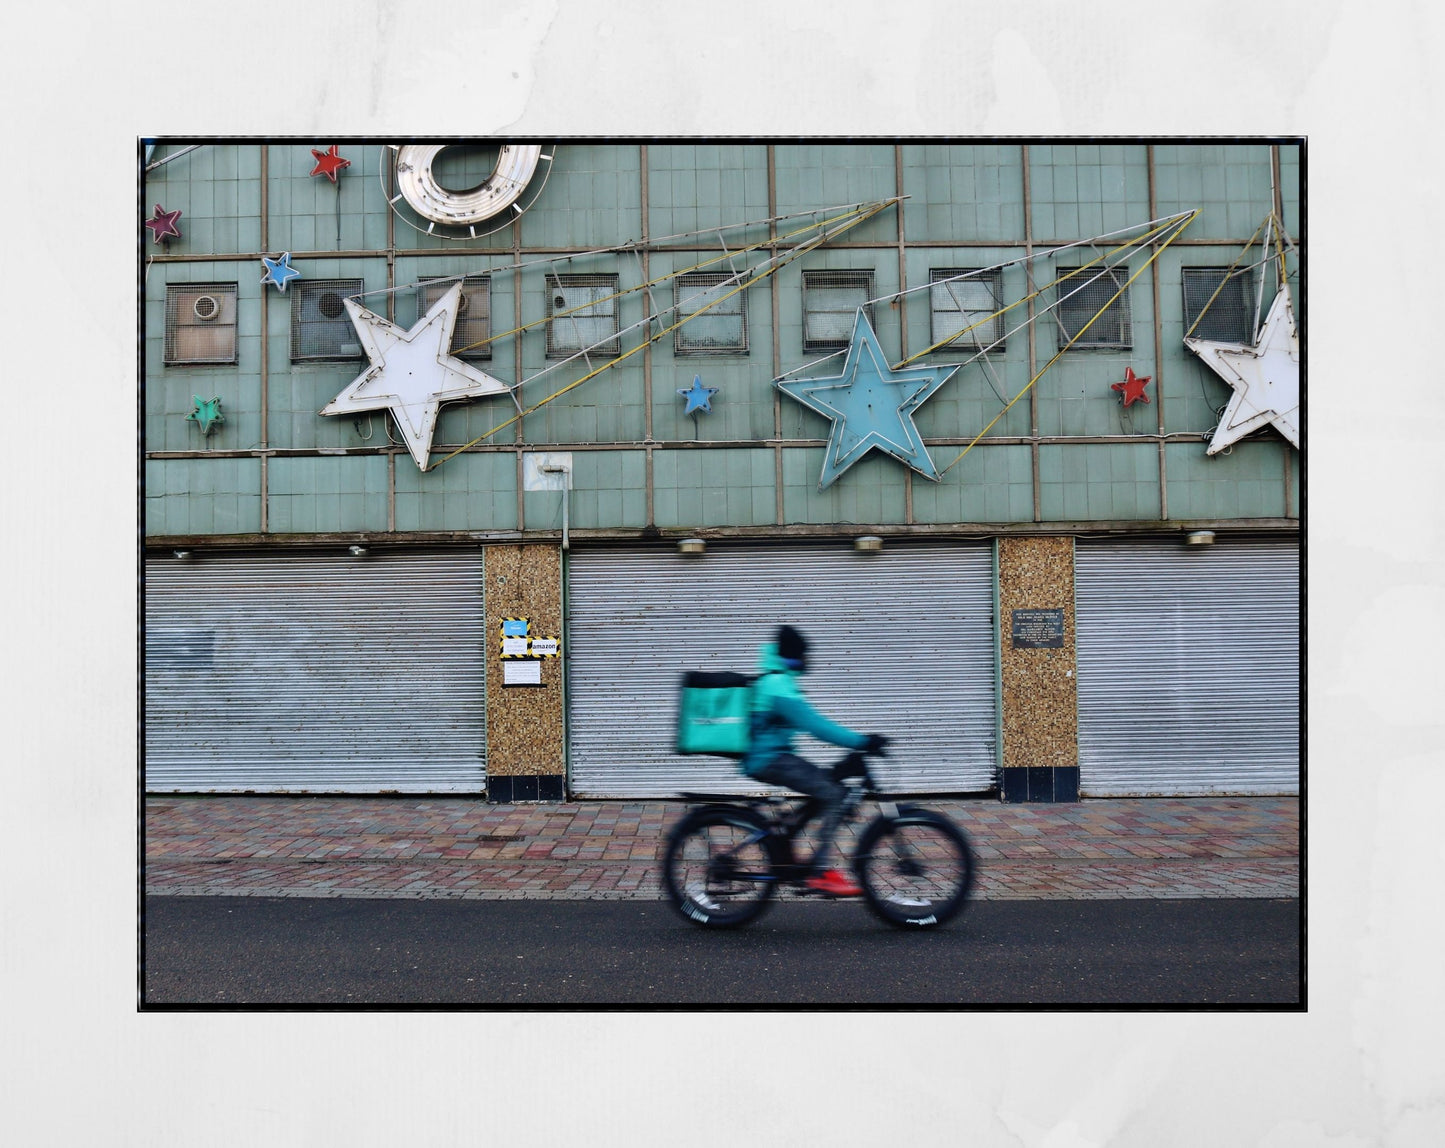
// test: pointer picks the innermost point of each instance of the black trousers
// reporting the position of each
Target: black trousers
(802, 776)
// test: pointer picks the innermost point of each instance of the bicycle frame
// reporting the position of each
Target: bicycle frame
(914, 866)
(786, 817)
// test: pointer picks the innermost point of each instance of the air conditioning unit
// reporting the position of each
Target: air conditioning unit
(474, 316)
(320, 325)
(201, 323)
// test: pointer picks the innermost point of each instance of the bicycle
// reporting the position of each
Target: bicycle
(727, 857)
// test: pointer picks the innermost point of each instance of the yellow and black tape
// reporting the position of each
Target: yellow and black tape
(514, 641)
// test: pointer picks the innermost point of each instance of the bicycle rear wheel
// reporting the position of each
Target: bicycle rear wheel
(915, 868)
(717, 868)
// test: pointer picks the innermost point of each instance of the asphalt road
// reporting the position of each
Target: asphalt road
(260, 951)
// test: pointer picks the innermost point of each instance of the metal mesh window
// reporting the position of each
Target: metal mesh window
(959, 304)
(1082, 293)
(582, 315)
(320, 326)
(720, 330)
(474, 320)
(200, 323)
(830, 301)
(1230, 317)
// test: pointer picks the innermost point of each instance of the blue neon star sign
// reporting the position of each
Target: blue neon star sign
(699, 397)
(870, 405)
(279, 271)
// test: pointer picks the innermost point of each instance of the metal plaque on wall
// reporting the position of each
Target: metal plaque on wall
(1038, 629)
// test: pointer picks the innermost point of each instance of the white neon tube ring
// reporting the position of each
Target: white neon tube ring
(516, 164)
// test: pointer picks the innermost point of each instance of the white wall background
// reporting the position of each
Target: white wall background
(1363, 1067)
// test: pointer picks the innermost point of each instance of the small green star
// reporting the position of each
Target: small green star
(207, 413)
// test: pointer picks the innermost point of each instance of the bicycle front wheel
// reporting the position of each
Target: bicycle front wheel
(717, 869)
(916, 868)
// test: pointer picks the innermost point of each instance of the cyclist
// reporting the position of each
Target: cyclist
(778, 709)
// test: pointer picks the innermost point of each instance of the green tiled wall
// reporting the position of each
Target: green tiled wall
(965, 209)
(1087, 189)
(876, 493)
(1229, 183)
(1290, 175)
(1095, 481)
(963, 191)
(471, 492)
(814, 175)
(1247, 482)
(592, 199)
(695, 185)
(608, 490)
(326, 494)
(218, 192)
(203, 496)
(990, 483)
(713, 487)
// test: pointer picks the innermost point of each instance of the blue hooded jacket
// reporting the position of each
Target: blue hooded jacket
(779, 708)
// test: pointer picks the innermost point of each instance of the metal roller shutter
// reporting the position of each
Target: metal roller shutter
(1188, 662)
(902, 642)
(319, 674)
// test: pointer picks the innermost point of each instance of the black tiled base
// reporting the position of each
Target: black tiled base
(527, 787)
(1040, 784)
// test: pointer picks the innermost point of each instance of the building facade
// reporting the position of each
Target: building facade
(456, 457)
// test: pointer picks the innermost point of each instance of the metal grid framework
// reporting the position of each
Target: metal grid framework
(200, 323)
(1082, 291)
(320, 327)
(582, 314)
(1230, 317)
(830, 301)
(474, 321)
(960, 304)
(723, 328)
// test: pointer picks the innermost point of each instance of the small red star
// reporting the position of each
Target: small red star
(1132, 387)
(164, 224)
(328, 163)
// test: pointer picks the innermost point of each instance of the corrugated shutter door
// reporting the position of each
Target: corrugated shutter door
(321, 674)
(902, 643)
(1188, 667)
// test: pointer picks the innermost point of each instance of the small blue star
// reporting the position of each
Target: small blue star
(870, 405)
(699, 397)
(279, 271)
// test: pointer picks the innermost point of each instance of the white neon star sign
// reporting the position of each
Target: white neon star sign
(412, 372)
(1265, 378)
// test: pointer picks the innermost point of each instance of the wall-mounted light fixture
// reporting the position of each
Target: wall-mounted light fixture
(359, 551)
(868, 544)
(1200, 538)
(182, 555)
(691, 546)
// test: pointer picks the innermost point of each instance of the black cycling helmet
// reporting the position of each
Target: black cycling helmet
(792, 648)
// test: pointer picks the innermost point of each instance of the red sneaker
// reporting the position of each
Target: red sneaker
(834, 884)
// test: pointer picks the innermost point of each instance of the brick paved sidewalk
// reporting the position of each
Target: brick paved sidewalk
(463, 847)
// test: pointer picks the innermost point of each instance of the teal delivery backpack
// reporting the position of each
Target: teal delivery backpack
(713, 713)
